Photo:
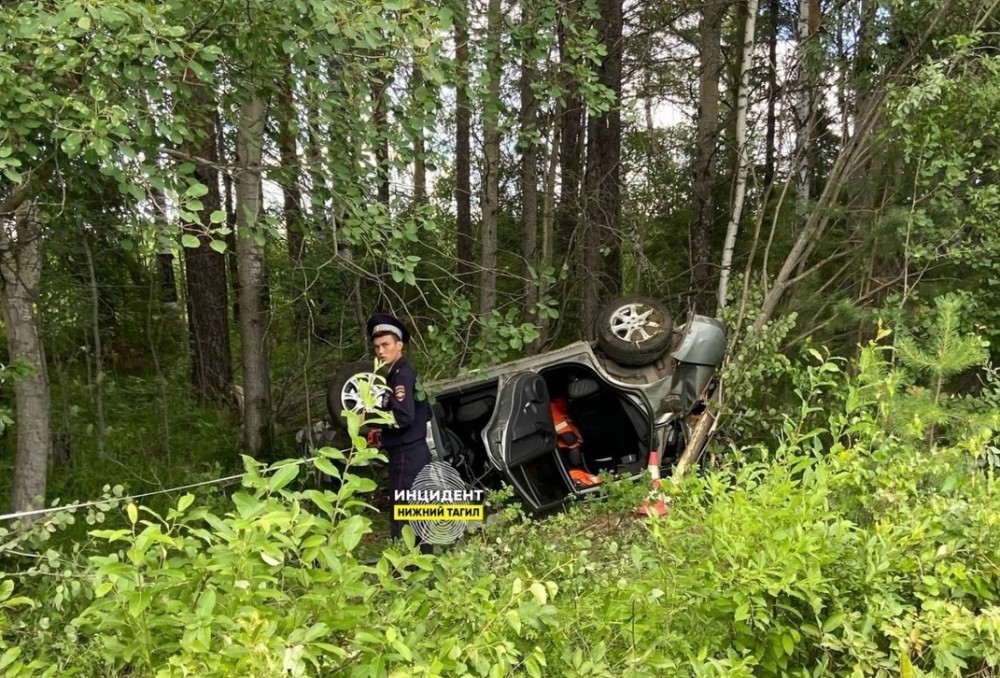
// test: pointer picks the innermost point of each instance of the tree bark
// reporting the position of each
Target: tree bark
(207, 291)
(253, 316)
(20, 274)
(703, 189)
(465, 245)
(743, 160)
(491, 163)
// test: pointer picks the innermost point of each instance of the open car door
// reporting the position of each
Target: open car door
(521, 441)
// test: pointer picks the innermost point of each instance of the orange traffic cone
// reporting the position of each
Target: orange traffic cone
(656, 502)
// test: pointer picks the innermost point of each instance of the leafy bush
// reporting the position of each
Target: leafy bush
(838, 548)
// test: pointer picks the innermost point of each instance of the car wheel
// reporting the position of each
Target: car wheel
(344, 392)
(634, 330)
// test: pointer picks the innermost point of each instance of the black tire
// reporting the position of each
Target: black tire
(634, 330)
(342, 386)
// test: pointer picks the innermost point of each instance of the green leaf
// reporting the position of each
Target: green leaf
(188, 240)
(206, 604)
(184, 502)
(196, 190)
(9, 656)
(353, 529)
(833, 622)
(217, 217)
(327, 467)
(282, 477)
(133, 512)
(218, 245)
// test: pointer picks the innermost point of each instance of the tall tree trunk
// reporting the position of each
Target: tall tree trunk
(165, 257)
(609, 143)
(465, 244)
(703, 189)
(20, 274)
(548, 220)
(529, 170)
(567, 243)
(232, 261)
(774, 11)
(491, 162)
(253, 316)
(205, 269)
(571, 148)
(741, 152)
(602, 279)
(291, 174)
(805, 113)
(95, 327)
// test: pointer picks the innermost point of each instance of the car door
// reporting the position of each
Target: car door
(521, 442)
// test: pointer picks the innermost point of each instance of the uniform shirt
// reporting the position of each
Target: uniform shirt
(411, 414)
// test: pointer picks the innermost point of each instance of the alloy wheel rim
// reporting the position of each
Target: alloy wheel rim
(635, 323)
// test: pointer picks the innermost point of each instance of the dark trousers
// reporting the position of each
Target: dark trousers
(405, 463)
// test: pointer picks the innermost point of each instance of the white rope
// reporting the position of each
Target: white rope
(98, 502)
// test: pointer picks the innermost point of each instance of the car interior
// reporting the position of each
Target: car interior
(616, 433)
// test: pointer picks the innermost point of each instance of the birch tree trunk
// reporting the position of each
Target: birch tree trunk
(20, 274)
(253, 317)
(741, 152)
(491, 162)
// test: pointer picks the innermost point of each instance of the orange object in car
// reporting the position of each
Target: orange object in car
(567, 434)
(584, 479)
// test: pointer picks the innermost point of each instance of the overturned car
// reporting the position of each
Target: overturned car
(549, 424)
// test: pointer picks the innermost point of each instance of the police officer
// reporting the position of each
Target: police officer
(405, 441)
